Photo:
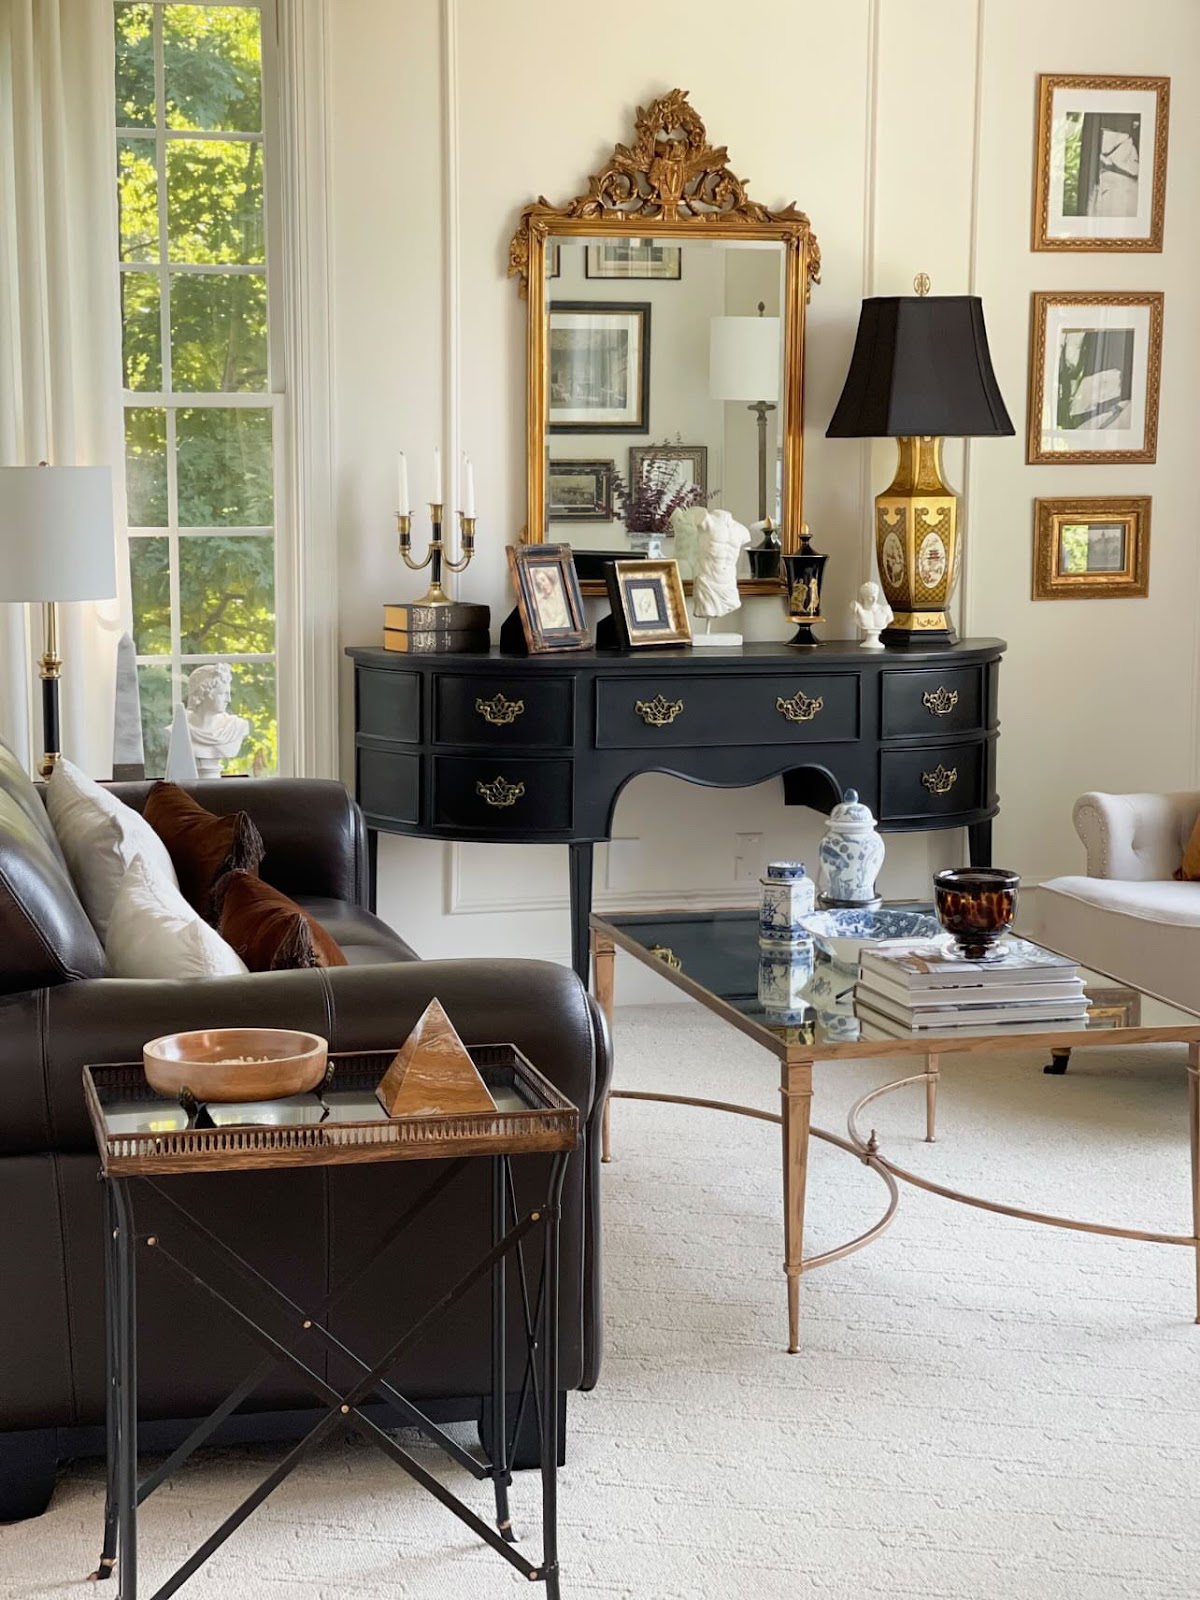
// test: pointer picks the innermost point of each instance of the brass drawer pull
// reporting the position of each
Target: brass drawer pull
(801, 707)
(667, 956)
(941, 780)
(940, 702)
(499, 711)
(499, 792)
(657, 713)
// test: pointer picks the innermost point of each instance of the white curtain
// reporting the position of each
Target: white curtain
(60, 339)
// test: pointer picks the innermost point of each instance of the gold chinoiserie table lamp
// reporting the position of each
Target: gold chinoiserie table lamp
(56, 543)
(921, 371)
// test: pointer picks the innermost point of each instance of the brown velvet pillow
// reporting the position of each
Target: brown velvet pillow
(203, 846)
(268, 930)
(1189, 871)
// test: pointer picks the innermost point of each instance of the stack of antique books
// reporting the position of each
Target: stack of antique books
(423, 630)
(906, 985)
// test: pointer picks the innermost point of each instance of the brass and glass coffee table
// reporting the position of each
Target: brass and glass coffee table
(713, 956)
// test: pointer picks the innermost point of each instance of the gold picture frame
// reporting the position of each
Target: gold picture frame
(1095, 367)
(1091, 548)
(1091, 186)
(647, 603)
(549, 604)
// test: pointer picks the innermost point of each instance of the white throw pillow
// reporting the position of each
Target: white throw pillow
(154, 933)
(100, 836)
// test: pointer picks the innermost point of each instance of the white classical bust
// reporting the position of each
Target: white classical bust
(217, 734)
(872, 613)
(720, 541)
(685, 529)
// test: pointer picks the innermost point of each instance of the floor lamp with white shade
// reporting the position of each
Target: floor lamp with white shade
(56, 544)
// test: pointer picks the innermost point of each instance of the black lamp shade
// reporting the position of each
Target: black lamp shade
(921, 365)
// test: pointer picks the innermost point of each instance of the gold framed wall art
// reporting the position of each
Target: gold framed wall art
(1094, 367)
(1100, 173)
(1093, 548)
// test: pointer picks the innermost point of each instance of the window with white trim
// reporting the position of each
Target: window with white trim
(203, 407)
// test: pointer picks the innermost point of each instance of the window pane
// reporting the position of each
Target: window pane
(225, 468)
(254, 699)
(214, 200)
(137, 199)
(135, 65)
(146, 467)
(218, 331)
(141, 330)
(150, 582)
(226, 595)
(212, 57)
(154, 690)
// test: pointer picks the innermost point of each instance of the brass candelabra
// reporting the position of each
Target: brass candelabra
(435, 557)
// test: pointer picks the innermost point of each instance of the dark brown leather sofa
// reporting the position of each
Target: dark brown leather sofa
(58, 1012)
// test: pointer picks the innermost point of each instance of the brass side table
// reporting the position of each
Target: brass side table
(145, 1139)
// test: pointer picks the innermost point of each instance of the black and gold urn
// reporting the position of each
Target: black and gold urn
(802, 574)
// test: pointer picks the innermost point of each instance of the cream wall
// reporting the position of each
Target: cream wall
(905, 129)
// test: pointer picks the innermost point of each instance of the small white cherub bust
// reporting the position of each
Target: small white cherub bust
(720, 541)
(217, 734)
(872, 613)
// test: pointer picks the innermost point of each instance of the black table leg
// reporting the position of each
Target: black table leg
(125, 1328)
(581, 907)
(979, 843)
(501, 1476)
(549, 1354)
(108, 1550)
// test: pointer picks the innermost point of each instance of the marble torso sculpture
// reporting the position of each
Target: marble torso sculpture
(872, 613)
(685, 529)
(217, 734)
(720, 541)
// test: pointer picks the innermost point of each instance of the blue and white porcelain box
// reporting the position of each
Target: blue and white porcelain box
(788, 894)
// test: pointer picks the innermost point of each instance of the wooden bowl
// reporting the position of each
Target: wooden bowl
(234, 1064)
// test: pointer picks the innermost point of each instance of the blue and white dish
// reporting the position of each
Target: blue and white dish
(840, 935)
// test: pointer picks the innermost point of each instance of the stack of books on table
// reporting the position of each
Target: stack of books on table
(428, 630)
(906, 985)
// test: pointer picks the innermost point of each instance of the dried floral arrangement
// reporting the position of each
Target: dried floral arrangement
(647, 506)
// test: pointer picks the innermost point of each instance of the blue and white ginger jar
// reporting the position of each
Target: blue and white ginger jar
(850, 855)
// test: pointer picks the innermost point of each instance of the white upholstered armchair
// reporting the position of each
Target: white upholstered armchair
(1129, 916)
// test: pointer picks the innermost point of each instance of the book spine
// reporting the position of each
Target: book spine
(453, 618)
(468, 641)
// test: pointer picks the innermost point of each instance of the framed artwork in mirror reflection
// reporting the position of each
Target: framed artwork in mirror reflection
(598, 370)
(634, 258)
(579, 490)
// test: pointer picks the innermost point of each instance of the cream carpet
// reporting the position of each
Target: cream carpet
(982, 1410)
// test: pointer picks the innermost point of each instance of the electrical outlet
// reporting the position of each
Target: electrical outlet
(747, 857)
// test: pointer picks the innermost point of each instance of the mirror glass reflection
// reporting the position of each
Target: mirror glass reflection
(663, 383)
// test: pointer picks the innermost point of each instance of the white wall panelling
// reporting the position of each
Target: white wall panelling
(905, 130)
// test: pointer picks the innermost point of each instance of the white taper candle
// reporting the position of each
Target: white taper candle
(402, 505)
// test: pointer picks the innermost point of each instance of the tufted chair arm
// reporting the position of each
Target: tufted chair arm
(1135, 837)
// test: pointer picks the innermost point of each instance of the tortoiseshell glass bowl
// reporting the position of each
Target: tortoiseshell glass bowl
(976, 905)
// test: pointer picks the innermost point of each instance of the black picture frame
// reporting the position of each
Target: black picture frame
(638, 391)
(597, 506)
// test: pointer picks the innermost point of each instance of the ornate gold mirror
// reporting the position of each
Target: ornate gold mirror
(665, 350)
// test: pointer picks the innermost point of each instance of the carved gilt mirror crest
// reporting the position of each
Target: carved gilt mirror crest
(665, 347)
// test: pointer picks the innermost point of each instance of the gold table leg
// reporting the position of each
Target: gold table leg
(934, 1069)
(604, 960)
(795, 1086)
(1194, 1132)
